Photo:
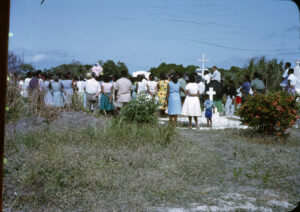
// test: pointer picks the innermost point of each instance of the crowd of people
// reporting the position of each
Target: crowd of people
(177, 93)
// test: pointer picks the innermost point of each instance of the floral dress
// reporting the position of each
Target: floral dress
(162, 93)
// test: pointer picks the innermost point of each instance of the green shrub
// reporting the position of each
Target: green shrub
(270, 114)
(141, 110)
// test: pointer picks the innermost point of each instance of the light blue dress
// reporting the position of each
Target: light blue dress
(133, 97)
(67, 86)
(48, 95)
(57, 94)
(174, 101)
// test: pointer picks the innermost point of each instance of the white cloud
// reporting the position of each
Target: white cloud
(39, 57)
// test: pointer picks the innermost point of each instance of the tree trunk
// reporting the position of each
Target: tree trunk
(4, 30)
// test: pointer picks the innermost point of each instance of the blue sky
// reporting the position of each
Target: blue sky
(144, 33)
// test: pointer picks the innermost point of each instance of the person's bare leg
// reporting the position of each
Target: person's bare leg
(170, 120)
(210, 120)
(190, 121)
(196, 121)
(175, 120)
(207, 122)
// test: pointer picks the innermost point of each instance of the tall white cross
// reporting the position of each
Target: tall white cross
(211, 93)
(203, 60)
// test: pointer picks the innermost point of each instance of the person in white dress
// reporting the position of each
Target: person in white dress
(141, 85)
(151, 86)
(80, 89)
(191, 106)
(26, 82)
(23, 88)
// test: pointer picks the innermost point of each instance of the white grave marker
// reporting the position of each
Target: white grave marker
(211, 94)
(203, 60)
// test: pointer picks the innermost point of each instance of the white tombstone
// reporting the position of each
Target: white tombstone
(297, 74)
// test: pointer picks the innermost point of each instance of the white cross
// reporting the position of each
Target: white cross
(203, 60)
(211, 94)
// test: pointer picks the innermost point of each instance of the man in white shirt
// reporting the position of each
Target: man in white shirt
(92, 89)
(216, 75)
(206, 78)
(123, 88)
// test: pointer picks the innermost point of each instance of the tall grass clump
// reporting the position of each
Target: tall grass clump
(135, 134)
(17, 107)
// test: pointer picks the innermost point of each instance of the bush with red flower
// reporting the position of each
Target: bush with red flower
(270, 114)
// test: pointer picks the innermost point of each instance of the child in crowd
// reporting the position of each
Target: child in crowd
(238, 98)
(209, 108)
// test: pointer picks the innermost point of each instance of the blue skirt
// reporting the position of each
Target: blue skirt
(208, 113)
(105, 105)
(174, 104)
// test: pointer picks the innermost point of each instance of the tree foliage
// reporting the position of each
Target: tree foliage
(75, 68)
(269, 69)
(16, 64)
(112, 68)
(165, 68)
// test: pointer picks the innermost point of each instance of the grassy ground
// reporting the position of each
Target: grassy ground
(125, 167)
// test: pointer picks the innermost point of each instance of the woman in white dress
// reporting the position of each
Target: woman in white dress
(191, 106)
(141, 86)
(26, 83)
(151, 86)
(80, 89)
(23, 87)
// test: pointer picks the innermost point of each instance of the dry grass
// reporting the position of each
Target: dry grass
(129, 167)
(123, 166)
